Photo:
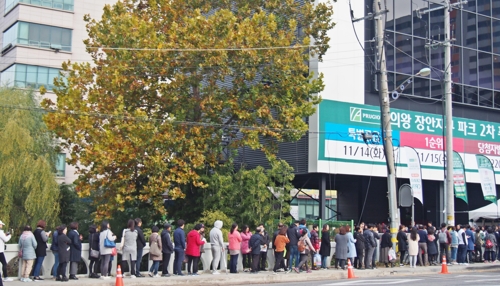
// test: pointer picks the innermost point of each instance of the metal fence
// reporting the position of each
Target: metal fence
(333, 224)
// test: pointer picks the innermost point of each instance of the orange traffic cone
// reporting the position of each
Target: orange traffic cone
(350, 271)
(119, 277)
(444, 266)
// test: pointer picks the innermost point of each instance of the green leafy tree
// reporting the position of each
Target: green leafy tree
(171, 79)
(28, 189)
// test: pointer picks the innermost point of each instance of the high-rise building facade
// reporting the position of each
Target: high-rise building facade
(37, 37)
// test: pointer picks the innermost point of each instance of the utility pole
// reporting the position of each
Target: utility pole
(386, 118)
(448, 111)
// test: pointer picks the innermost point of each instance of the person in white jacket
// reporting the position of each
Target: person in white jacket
(4, 238)
(217, 244)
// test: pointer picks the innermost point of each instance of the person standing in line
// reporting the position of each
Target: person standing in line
(4, 238)
(293, 236)
(377, 237)
(478, 243)
(255, 243)
(245, 249)
(179, 247)
(54, 247)
(454, 245)
(27, 244)
(279, 244)
(234, 247)
(41, 249)
(370, 246)
(402, 244)
(341, 248)
(385, 245)
(315, 243)
(469, 233)
(360, 248)
(167, 248)
(413, 247)
(193, 253)
(282, 266)
(304, 254)
(490, 242)
(462, 245)
(153, 271)
(75, 250)
(264, 248)
(422, 244)
(105, 251)
(325, 247)
(432, 247)
(141, 243)
(63, 243)
(217, 244)
(93, 245)
(351, 245)
(129, 247)
(444, 240)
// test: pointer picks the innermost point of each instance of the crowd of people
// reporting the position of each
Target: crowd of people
(295, 248)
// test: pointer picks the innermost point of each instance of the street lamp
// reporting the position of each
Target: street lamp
(423, 72)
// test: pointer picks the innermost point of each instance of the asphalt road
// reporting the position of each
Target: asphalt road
(483, 278)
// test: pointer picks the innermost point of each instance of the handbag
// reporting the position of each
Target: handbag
(154, 249)
(93, 253)
(108, 243)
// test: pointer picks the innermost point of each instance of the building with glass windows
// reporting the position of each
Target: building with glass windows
(37, 37)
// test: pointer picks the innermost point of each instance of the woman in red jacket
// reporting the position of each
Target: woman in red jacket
(194, 242)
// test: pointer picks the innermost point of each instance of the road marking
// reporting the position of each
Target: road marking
(482, 280)
(377, 282)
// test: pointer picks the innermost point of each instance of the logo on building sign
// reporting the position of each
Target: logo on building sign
(364, 115)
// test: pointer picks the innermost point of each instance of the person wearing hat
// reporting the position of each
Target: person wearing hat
(4, 238)
(167, 248)
(193, 253)
(217, 244)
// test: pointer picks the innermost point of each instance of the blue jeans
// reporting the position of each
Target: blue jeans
(324, 261)
(38, 266)
(154, 267)
(178, 259)
(138, 261)
(56, 263)
(454, 253)
(294, 253)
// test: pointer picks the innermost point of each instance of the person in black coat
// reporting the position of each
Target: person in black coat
(63, 243)
(402, 243)
(254, 244)
(325, 248)
(141, 243)
(75, 250)
(167, 248)
(360, 248)
(93, 245)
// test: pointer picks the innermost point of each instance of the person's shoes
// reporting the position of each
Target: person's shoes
(7, 279)
(64, 279)
(58, 278)
(105, 277)
(309, 271)
(27, 280)
(275, 273)
(73, 277)
(139, 275)
(132, 276)
(263, 269)
(150, 274)
(166, 275)
(288, 271)
(280, 270)
(195, 274)
(296, 269)
(180, 274)
(157, 276)
(216, 272)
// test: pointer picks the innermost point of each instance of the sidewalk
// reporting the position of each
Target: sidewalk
(268, 277)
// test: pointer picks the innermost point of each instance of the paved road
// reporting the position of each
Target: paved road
(484, 278)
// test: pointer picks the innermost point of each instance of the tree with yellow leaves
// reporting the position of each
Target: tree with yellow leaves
(171, 79)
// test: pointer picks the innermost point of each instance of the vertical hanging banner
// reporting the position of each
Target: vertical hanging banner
(459, 181)
(487, 176)
(415, 173)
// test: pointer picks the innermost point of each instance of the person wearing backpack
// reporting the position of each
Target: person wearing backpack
(490, 243)
(305, 246)
(444, 240)
(478, 249)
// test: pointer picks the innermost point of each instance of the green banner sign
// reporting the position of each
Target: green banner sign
(459, 181)
(487, 176)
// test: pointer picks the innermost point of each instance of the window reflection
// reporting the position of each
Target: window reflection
(485, 70)
(484, 33)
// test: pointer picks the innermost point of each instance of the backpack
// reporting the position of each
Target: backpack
(489, 243)
(443, 238)
(301, 245)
